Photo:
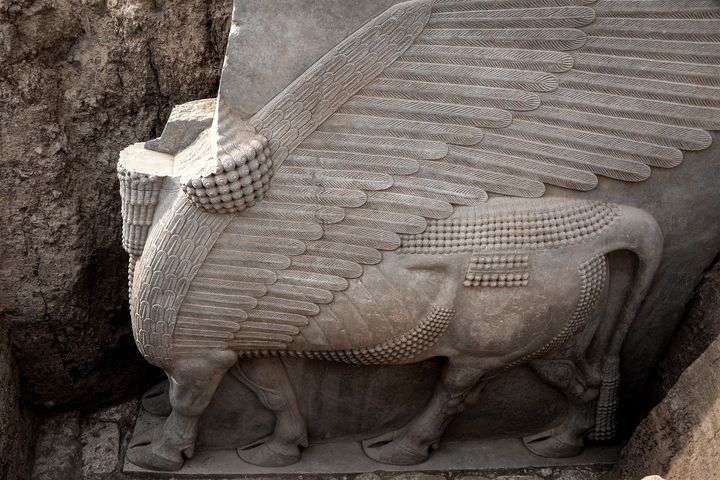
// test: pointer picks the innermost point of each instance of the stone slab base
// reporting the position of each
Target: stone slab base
(347, 457)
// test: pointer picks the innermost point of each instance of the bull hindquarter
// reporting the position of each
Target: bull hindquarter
(500, 323)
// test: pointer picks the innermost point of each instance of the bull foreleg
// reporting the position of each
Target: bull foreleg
(193, 381)
(459, 386)
(268, 379)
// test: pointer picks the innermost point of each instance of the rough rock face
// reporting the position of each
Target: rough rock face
(678, 439)
(699, 328)
(79, 81)
(15, 431)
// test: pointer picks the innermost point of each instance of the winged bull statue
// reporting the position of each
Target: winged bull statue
(387, 207)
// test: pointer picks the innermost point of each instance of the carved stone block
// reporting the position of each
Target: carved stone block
(362, 216)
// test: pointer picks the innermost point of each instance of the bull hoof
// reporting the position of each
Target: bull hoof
(141, 453)
(156, 400)
(549, 444)
(269, 453)
(390, 449)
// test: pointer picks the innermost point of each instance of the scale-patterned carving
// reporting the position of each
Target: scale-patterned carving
(400, 349)
(593, 275)
(177, 246)
(566, 224)
(502, 270)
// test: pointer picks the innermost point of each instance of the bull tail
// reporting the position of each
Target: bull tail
(639, 233)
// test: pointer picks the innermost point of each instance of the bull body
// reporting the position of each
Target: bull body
(491, 287)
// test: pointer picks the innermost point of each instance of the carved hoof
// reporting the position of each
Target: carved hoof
(140, 452)
(269, 453)
(549, 444)
(156, 400)
(389, 448)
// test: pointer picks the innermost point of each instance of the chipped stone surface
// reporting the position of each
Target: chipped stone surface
(100, 447)
(184, 125)
(368, 476)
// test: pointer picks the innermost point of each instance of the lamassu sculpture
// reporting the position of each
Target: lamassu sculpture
(349, 220)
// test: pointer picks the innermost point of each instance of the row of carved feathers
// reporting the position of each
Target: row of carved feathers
(500, 96)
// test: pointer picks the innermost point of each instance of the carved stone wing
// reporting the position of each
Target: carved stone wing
(434, 104)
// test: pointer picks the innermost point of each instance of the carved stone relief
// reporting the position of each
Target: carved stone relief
(363, 215)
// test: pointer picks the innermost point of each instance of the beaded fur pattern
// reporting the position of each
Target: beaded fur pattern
(607, 403)
(498, 271)
(397, 350)
(532, 229)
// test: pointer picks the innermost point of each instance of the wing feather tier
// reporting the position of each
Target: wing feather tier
(435, 104)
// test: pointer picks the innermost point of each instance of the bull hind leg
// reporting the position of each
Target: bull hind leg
(459, 386)
(268, 379)
(579, 382)
(193, 381)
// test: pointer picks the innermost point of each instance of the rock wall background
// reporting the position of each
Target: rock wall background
(79, 81)
(699, 329)
(15, 424)
(679, 438)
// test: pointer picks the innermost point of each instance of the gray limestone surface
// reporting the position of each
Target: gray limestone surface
(276, 41)
(186, 122)
(390, 397)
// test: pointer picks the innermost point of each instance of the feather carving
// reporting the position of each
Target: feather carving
(432, 105)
